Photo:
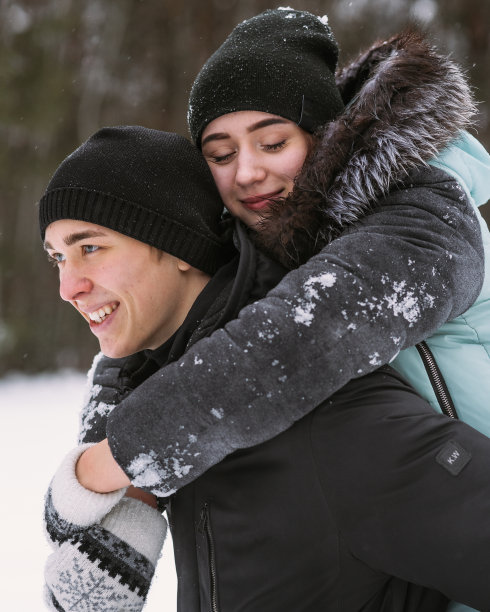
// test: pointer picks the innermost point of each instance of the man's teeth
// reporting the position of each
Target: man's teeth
(99, 315)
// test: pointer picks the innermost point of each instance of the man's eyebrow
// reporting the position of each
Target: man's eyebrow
(251, 128)
(72, 239)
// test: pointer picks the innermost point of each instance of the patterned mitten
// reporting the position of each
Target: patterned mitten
(109, 566)
(69, 507)
(106, 545)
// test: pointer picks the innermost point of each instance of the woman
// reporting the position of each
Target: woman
(425, 244)
(392, 277)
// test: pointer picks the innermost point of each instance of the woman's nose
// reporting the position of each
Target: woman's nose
(250, 170)
(73, 282)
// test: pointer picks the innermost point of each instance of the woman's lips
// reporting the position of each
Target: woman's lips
(262, 200)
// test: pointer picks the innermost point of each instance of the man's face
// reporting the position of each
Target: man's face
(134, 297)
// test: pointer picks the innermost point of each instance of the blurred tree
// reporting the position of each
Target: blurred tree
(67, 68)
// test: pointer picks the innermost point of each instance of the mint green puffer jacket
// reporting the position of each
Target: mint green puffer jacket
(461, 347)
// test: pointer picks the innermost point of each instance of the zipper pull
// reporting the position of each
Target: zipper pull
(203, 519)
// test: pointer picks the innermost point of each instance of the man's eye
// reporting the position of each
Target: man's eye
(55, 258)
(90, 248)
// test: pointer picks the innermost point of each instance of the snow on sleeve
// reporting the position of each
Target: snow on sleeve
(303, 312)
(404, 301)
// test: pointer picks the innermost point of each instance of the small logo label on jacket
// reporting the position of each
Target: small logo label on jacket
(453, 457)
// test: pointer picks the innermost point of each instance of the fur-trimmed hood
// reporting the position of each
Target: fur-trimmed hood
(404, 104)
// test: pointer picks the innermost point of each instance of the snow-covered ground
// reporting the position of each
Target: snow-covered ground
(38, 424)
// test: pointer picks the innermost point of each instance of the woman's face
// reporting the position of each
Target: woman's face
(254, 157)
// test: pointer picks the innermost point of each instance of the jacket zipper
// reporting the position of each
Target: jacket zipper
(437, 380)
(205, 527)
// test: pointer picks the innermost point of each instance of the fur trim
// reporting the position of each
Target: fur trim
(404, 104)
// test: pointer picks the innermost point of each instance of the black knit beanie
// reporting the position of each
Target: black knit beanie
(150, 185)
(281, 62)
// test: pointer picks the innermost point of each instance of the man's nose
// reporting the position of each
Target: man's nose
(73, 282)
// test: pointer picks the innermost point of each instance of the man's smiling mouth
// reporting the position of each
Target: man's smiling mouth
(99, 315)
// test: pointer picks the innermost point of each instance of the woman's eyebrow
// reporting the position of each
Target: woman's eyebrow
(251, 128)
(72, 239)
(215, 136)
(265, 122)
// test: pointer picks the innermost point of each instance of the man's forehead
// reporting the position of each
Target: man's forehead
(72, 231)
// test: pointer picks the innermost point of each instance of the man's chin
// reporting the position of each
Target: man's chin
(116, 353)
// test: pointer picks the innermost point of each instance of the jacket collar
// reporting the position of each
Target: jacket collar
(404, 104)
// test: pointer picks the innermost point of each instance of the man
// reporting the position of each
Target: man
(132, 221)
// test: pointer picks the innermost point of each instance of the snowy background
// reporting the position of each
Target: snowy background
(39, 421)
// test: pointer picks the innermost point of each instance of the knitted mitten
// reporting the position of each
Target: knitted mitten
(69, 507)
(108, 566)
(106, 545)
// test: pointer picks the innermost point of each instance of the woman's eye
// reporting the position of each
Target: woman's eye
(218, 157)
(222, 158)
(90, 248)
(276, 146)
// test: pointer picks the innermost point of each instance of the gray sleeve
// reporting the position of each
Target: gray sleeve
(408, 267)
(108, 381)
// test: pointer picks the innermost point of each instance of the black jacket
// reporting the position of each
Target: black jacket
(324, 515)
(340, 511)
(350, 509)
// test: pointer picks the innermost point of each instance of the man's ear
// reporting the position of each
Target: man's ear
(183, 266)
